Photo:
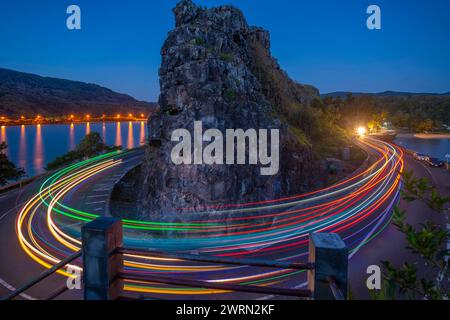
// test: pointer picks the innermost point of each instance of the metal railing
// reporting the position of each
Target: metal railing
(43, 276)
(104, 275)
(218, 286)
(206, 259)
(300, 293)
(102, 241)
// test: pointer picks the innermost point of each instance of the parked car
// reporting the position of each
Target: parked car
(421, 157)
(435, 162)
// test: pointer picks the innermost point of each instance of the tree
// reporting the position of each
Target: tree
(428, 241)
(90, 146)
(425, 126)
(8, 171)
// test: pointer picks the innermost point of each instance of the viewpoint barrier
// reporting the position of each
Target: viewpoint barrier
(104, 274)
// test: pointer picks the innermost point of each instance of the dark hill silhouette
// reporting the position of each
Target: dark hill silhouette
(29, 94)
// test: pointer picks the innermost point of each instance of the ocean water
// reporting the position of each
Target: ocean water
(33, 147)
(436, 148)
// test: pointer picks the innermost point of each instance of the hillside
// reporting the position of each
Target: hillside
(344, 94)
(29, 94)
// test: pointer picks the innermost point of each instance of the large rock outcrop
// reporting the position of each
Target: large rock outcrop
(217, 69)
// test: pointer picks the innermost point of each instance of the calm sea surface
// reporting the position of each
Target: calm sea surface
(32, 147)
(437, 148)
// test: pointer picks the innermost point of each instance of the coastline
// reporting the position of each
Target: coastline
(424, 136)
(29, 124)
(432, 135)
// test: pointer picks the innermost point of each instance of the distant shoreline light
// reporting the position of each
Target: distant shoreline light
(87, 118)
(30, 124)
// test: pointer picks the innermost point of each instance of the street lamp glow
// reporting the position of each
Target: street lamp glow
(361, 131)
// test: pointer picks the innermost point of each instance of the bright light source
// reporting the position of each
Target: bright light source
(361, 131)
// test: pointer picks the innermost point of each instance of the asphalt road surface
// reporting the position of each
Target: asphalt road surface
(40, 224)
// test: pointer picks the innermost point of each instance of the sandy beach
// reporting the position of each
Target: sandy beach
(432, 135)
(424, 135)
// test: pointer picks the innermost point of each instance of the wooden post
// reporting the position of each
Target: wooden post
(101, 262)
(329, 254)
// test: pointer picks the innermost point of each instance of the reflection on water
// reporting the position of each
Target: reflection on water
(38, 149)
(142, 135)
(72, 143)
(22, 159)
(103, 131)
(118, 135)
(4, 138)
(32, 147)
(130, 139)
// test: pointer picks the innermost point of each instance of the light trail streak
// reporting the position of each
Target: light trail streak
(358, 208)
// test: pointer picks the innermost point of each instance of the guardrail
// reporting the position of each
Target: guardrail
(104, 274)
(20, 184)
(43, 276)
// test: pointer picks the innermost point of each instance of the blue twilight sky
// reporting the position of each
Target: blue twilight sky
(323, 42)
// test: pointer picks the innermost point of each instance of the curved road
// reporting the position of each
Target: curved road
(41, 225)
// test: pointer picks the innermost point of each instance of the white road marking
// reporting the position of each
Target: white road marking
(6, 213)
(98, 209)
(99, 196)
(11, 288)
(97, 202)
(76, 224)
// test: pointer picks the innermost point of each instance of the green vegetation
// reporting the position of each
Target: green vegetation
(230, 94)
(428, 241)
(415, 113)
(227, 57)
(311, 122)
(199, 41)
(92, 145)
(8, 171)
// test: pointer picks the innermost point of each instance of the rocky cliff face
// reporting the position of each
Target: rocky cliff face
(217, 69)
